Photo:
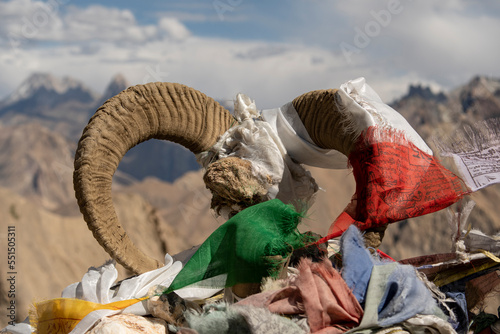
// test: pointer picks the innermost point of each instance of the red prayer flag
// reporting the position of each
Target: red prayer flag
(395, 180)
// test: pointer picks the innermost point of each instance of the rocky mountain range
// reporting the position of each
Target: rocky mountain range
(163, 204)
(434, 114)
(65, 105)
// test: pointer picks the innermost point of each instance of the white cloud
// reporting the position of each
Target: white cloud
(441, 44)
(98, 22)
(23, 22)
(214, 66)
(173, 28)
(449, 46)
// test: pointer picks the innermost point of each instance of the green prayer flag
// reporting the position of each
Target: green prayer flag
(241, 250)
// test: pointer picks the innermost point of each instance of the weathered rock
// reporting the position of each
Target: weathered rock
(129, 324)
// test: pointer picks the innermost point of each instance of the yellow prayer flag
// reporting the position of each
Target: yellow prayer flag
(61, 315)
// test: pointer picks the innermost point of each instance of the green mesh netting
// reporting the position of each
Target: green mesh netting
(244, 249)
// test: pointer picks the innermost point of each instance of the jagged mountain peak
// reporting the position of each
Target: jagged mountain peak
(55, 101)
(485, 80)
(480, 97)
(45, 82)
(115, 86)
(119, 80)
(425, 92)
(484, 84)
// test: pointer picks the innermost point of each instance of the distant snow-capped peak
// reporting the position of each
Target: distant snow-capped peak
(47, 82)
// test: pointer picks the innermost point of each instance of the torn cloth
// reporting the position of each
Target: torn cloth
(255, 140)
(86, 302)
(320, 293)
(476, 240)
(395, 180)
(393, 294)
(95, 297)
(357, 263)
(251, 245)
(475, 150)
(62, 315)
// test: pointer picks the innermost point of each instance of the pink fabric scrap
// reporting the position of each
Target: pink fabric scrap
(320, 293)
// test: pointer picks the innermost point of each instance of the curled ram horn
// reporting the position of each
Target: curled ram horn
(319, 111)
(159, 110)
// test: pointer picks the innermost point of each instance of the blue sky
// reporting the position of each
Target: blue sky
(234, 19)
(270, 50)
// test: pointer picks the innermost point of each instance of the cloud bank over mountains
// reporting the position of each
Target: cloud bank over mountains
(270, 52)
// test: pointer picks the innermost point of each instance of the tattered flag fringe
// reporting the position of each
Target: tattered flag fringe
(475, 150)
(471, 137)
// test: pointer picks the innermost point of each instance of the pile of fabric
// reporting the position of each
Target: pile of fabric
(346, 288)
(257, 274)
